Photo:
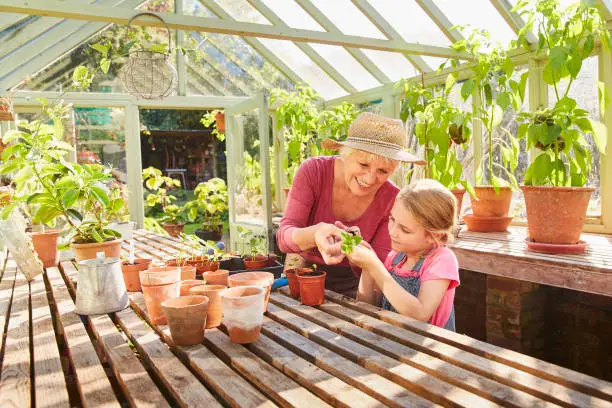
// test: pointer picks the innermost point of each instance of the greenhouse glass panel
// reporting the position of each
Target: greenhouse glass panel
(196, 8)
(411, 22)
(372, 107)
(434, 62)
(299, 62)
(292, 14)
(394, 65)
(348, 18)
(24, 30)
(347, 66)
(241, 10)
(584, 91)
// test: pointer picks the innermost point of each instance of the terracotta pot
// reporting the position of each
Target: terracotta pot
(256, 262)
(186, 317)
(487, 224)
(173, 229)
(175, 262)
(292, 279)
(188, 272)
(243, 309)
(154, 297)
(458, 193)
(159, 275)
(491, 204)
(220, 121)
(261, 279)
(312, 287)
(131, 273)
(218, 277)
(188, 284)
(45, 244)
(213, 293)
(555, 215)
(111, 249)
(202, 264)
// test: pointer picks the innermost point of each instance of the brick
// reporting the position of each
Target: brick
(510, 285)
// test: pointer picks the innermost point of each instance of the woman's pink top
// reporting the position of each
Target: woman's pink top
(441, 263)
(310, 202)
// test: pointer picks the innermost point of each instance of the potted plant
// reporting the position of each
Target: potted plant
(216, 119)
(158, 186)
(555, 197)
(211, 203)
(209, 257)
(253, 248)
(499, 92)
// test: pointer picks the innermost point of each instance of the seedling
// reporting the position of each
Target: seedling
(349, 241)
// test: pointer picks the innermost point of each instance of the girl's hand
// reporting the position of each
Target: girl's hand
(328, 241)
(363, 256)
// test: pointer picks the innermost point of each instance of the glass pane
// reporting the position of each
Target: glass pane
(347, 66)
(372, 106)
(303, 66)
(293, 15)
(394, 65)
(433, 62)
(24, 30)
(196, 8)
(413, 24)
(242, 11)
(584, 91)
(348, 18)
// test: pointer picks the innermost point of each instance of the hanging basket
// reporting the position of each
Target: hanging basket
(148, 74)
(6, 109)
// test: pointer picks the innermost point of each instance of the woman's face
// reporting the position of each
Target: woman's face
(364, 175)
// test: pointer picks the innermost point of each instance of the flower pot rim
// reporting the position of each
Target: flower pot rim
(46, 233)
(137, 261)
(199, 300)
(93, 244)
(178, 224)
(244, 276)
(259, 289)
(562, 188)
(483, 187)
(317, 277)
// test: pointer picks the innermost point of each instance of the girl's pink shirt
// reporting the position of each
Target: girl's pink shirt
(441, 263)
(310, 202)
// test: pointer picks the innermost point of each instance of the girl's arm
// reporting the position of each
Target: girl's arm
(368, 291)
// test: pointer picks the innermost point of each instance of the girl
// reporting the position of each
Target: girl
(419, 277)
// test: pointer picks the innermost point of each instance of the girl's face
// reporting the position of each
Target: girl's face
(364, 176)
(407, 235)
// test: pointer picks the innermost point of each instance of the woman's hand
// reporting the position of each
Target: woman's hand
(363, 256)
(328, 241)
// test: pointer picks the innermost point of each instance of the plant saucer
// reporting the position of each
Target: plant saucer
(565, 249)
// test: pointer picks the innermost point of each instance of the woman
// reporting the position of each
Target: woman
(350, 191)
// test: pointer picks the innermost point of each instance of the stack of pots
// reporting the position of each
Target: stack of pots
(131, 273)
(213, 293)
(261, 279)
(243, 309)
(307, 284)
(159, 284)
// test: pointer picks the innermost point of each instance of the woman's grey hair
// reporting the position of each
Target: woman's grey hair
(346, 151)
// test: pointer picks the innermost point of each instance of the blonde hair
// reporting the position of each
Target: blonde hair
(433, 206)
(346, 151)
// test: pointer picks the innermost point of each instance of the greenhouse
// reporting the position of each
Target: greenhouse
(345, 203)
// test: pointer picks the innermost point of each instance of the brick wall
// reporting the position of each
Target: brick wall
(470, 304)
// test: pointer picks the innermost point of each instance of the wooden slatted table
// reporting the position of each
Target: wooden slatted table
(506, 255)
(341, 354)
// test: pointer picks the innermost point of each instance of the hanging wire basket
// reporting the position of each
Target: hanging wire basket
(148, 74)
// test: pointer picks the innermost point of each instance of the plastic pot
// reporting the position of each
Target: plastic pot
(213, 293)
(292, 279)
(187, 318)
(243, 308)
(312, 287)
(131, 273)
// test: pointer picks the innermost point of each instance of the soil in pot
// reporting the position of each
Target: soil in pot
(556, 215)
(131, 273)
(243, 309)
(188, 284)
(312, 287)
(45, 244)
(155, 295)
(261, 279)
(213, 293)
(218, 277)
(173, 229)
(256, 262)
(111, 249)
(187, 318)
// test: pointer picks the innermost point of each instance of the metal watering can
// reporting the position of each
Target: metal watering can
(100, 286)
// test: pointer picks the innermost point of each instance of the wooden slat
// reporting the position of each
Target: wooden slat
(184, 387)
(478, 384)
(337, 366)
(165, 242)
(50, 389)
(281, 389)
(568, 378)
(6, 294)
(93, 385)
(15, 376)
(227, 384)
(407, 376)
(137, 385)
(371, 332)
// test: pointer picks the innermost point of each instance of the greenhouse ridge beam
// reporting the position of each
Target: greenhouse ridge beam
(79, 11)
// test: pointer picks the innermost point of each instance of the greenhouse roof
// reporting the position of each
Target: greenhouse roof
(338, 47)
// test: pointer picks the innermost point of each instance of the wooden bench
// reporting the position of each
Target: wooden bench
(341, 354)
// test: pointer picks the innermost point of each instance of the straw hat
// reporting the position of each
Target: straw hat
(376, 134)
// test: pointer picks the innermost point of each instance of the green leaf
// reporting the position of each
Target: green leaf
(600, 135)
(541, 169)
(467, 88)
(558, 57)
(566, 104)
(69, 198)
(603, 96)
(488, 94)
(46, 213)
(497, 115)
(6, 211)
(100, 195)
(102, 49)
(574, 65)
(450, 81)
(503, 100)
(116, 204)
(105, 65)
(75, 214)
(96, 236)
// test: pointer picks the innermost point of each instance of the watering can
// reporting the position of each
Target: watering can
(100, 286)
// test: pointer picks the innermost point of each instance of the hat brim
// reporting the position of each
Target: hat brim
(400, 155)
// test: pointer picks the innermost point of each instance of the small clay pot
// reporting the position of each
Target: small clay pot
(489, 203)
(256, 262)
(312, 287)
(155, 296)
(131, 273)
(187, 318)
(458, 193)
(45, 244)
(188, 284)
(111, 249)
(187, 272)
(218, 277)
(294, 284)
(175, 262)
(173, 229)
(160, 275)
(213, 293)
(243, 309)
(261, 279)
(203, 264)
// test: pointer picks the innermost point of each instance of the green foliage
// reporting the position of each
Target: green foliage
(158, 185)
(210, 119)
(566, 38)
(207, 249)
(210, 201)
(256, 244)
(349, 241)
(416, 97)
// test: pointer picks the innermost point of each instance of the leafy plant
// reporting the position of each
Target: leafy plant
(492, 79)
(210, 119)
(158, 185)
(206, 249)
(210, 201)
(255, 243)
(349, 241)
(566, 37)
